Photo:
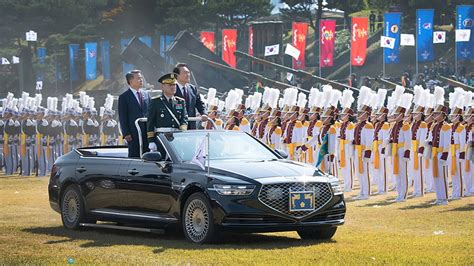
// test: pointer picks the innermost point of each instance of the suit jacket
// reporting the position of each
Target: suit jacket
(193, 102)
(130, 110)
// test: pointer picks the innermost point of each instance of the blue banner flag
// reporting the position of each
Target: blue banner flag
(105, 54)
(73, 56)
(165, 42)
(125, 66)
(146, 40)
(91, 60)
(424, 35)
(464, 21)
(41, 54)
(392, 25)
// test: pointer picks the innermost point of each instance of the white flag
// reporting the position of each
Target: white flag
(289, 76)
(39, 85)
(16, 60)
(292, 51)
(463, 35)
(407, 39)
(272, 50)
(439, 37)
(31, 36)
(5, 61)
(387, 42)
(200, 154)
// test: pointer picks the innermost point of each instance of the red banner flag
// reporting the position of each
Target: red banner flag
(299, 42)
(359, 36)
(208, 39)
(229, 45)
(327, 32)
(250, 40)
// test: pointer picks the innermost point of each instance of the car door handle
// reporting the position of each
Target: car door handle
(133, 172)
(81, 169)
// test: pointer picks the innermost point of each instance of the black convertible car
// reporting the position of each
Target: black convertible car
(243, 186)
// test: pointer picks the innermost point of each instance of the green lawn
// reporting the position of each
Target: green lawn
(376, 232)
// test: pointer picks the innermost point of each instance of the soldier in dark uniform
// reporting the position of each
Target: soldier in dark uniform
(42, 130)
(110, 129)
(2, 134)
(166, 111)
(12, 130)
(29, 129)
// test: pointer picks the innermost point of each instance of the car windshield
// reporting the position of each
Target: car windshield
(223, 145)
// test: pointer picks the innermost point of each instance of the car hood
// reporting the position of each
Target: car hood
(262, 170)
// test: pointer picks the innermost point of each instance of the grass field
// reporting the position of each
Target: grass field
(376, 232)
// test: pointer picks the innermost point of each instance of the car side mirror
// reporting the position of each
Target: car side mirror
(282, 153)
(153, 156)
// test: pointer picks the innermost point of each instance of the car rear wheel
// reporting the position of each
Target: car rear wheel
(72, 208)
(317, 233)
(198, 219)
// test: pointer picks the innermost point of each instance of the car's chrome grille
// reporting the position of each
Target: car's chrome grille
(277, 196)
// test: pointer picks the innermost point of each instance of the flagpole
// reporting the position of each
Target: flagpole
(416, 48)
(319, 47)
(455, 56)
(207, 155)
(350, 58)
(383, 62)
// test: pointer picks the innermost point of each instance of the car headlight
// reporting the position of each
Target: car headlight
(336, 187)
(234, 190)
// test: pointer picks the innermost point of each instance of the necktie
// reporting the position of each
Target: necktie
(185, 94)
(140, 98)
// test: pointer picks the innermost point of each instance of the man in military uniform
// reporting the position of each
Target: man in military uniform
(166, 111)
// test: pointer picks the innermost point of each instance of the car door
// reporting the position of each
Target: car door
(148, 187)
(102, 182)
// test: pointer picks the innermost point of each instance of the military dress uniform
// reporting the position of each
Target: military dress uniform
(417, 166)
(346, 154)
(399, 152)
(12, 133)
(439, 141)
(29, 156)
(458, 143)
(363, 143)
(43, 130)
(380, 161)
(2, 134)
(159, 115)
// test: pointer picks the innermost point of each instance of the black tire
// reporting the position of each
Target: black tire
(198, 220)
(72, 208)
(324, 233)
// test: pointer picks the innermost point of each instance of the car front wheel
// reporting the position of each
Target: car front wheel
(317, 233)
(198, 220)
(72, 208)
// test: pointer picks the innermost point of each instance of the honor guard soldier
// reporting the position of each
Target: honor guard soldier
(381, 162)
(427, 158)
(264, 118)
(440, 140)
(345, 138)
(2, 134)
(233, 121)
(363, 142)
(469, 155)
(212, 115)
(458, 142)
(399, 143)
(110, 129)
(71, 130)
(13, 130)
(419, 131)
(273, 135)
(166, 111)
(43, 131)
(29, 129)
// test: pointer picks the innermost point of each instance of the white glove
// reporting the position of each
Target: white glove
(90, 122)
(152, 146)
(44, 123)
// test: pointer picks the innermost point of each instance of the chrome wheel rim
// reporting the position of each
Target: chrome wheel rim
(71, 207)
(197, 220)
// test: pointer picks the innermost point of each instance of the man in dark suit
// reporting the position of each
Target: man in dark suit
(189, 93)
(133, 104)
